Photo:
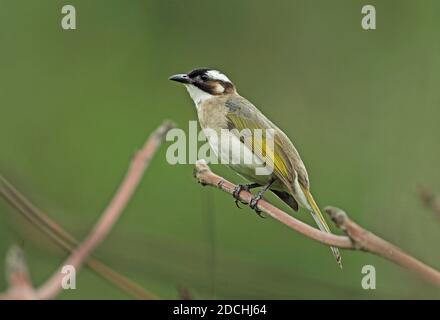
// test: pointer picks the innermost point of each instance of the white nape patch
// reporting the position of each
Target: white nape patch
(198, 96)
(217, 75)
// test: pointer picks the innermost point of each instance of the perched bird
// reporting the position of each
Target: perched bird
(221, 109)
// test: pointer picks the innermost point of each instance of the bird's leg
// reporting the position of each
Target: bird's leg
(254, 201)
(241, 187)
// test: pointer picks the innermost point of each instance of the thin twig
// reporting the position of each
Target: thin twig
(65, 240)
(140, 162)
(206, 177)
(364, 240)
(20, 285)
(357, 238)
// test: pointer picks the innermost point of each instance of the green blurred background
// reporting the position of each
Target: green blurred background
(361, 106)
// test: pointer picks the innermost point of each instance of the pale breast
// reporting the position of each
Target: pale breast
(212, 113)
(227, 146)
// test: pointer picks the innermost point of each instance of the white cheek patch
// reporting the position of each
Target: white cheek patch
(219, 88)
(217, 75)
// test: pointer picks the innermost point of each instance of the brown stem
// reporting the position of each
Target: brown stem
(206, 177)
(357, 238)
(364, 240)
(20, 285)
(66, 241)
(140, 162)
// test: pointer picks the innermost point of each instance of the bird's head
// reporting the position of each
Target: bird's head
(203, 84)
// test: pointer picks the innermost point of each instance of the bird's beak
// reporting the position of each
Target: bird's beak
(182, 78)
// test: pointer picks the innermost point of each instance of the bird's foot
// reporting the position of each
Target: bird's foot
(236, 194)
(254, 205)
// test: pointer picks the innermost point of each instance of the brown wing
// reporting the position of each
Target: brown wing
(287, 163)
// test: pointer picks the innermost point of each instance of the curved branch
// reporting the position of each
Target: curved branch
(112, 213)
(357, 238)
(43, 222)
(20, 285)
(365, 240)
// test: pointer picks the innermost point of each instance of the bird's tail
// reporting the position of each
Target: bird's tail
(320, 221)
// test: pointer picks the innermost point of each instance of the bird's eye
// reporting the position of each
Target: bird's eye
(204, 77)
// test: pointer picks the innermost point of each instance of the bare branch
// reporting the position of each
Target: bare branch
(20, 286)
(138, 165)
(357, 238)
(140, 162)
(364, 240)
(206, 177)
(65, 240)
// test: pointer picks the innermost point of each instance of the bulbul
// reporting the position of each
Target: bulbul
(221, 109)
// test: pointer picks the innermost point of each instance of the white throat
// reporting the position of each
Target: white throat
(198, 96)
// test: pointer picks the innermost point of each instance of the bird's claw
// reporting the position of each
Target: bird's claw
(239, 188)
(254, 201)
(254, 205)
(236, 193)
